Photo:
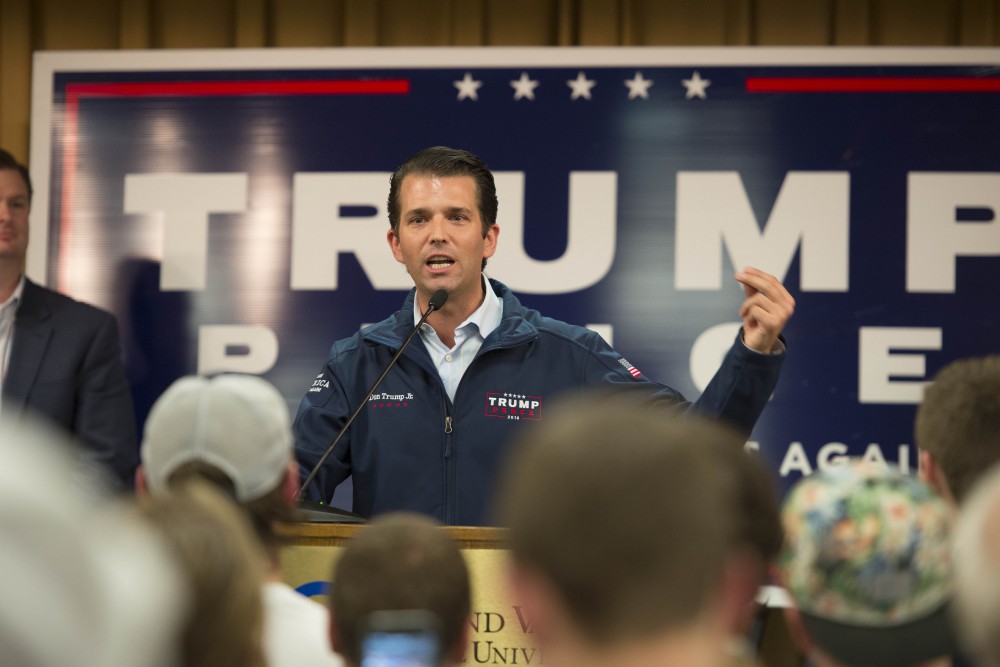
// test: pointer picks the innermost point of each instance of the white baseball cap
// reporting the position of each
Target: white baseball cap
(237, 423)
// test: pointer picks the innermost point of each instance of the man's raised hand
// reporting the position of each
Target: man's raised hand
(766, 310)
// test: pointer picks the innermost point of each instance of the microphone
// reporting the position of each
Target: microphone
(436, 302)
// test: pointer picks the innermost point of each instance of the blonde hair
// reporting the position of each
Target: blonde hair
(214, 544)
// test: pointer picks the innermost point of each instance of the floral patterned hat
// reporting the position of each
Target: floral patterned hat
(866, 560)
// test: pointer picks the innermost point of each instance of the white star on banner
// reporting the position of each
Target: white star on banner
(696, 86)
(638, 86)
(524, 87)
(467, 87)
(581, 86)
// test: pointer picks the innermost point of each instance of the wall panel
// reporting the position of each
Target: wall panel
(29, 25)
(850, 22)
(680, 23)
(70, 24)
(15, 76)
(599, 23)
(977, 23)
(192, 24)
(408, 23)
(792, 22)
(521, 22)
(924, 22)
(134, 25)
(361, 18)
(468, 26)
(300, 23)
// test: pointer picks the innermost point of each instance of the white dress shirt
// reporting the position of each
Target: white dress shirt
(451, 363)
(8, 313)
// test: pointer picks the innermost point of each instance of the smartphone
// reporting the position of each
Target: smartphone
(409, 638)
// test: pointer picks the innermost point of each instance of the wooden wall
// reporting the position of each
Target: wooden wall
(30, 25)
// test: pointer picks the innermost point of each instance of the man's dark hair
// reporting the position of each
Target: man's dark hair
(442, 161)
(958, 422)
(8, 161)
(398, 562)
(627, 512)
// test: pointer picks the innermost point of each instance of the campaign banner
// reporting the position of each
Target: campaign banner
(229, 208)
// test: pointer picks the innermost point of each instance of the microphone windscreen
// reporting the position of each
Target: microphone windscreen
(438, 299)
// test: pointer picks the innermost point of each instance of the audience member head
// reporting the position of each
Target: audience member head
(958, 425)
(82, 582)
(9, 162)
(232, 431)
(215, 545)
(622, 529)
(400, 562)
(977, 571)
(866, 561)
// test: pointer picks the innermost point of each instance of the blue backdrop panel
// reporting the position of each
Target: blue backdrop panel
(876, 125)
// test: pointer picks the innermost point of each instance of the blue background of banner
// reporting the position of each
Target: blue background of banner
(877, 137)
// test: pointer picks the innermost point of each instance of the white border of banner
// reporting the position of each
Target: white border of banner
(48, 63)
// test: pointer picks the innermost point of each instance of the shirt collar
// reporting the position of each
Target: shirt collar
(486, 318)
(15, 297)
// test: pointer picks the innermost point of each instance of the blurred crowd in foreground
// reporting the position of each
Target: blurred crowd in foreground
(636, 539)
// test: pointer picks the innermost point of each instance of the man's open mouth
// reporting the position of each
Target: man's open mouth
(440, 262)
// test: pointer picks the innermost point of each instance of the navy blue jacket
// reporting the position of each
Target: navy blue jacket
(413, 449)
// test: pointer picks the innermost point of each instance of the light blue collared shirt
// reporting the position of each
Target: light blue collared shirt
(452, 363)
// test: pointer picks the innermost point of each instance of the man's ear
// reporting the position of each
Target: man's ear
(740, 583)
(793, 619)
(335, 642)
(393, 240)
(491, 238)
(141, 488)
(930, 472)
(541, 608)
(290, 486)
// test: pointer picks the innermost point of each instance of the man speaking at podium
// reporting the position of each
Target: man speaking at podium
(433, 435)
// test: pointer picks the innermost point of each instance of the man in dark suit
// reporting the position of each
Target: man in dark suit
(59, 358)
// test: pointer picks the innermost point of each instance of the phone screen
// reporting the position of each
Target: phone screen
(399, 649)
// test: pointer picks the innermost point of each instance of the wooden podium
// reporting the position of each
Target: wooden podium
(501, 633)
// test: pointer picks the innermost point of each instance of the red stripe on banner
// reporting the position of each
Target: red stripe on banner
(966, 84)
(76, 91)
(70, 138)
(229, 88)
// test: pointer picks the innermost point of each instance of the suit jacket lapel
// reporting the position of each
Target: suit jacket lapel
(32, 331)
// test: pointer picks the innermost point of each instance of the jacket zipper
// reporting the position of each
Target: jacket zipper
(449, 442)
(449, 470)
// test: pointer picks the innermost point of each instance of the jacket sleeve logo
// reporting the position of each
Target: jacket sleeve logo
(633, 371)
(319, 384)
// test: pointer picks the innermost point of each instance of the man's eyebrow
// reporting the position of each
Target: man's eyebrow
(424, 212)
